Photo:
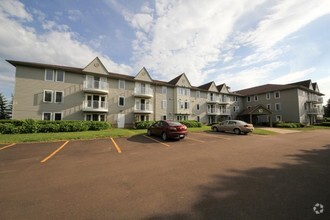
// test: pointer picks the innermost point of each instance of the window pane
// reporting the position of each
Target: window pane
(58, 116)
(47, 116)
(58, 96)
(49, 74)
(121, 101)
(48, 96)
(60, 76)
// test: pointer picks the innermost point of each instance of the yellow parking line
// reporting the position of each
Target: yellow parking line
(156, 140)
(215, 136)
(52, 154)
(10, 145)
(116, 145)
(189, 138)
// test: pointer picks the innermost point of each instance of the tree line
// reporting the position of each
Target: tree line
(6, 107)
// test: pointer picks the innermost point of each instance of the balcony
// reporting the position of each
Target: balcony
(225, 112)
(212, 100)
(95, 86)
(224, 101)
(143, 92)
(95, 106)
(315, 111)
(315, 99)
(143, 108)
(213, 111)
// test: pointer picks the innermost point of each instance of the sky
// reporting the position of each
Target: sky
(240, 43)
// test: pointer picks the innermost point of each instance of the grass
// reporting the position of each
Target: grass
(261, 131)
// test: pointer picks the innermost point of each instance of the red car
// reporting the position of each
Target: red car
(168, 129)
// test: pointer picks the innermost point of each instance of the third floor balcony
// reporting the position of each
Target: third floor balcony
(95, 86)
(315, 99)
(315, 111)
(144, 92)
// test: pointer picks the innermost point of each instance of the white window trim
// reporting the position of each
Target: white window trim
(119, 101)
(46, 75)
(63, 76)
(248, 99)
(279, 104)
(268, 96)
(43, 117)
(62, 96)
(164, 104)
(123, 83)
(46, 90)
(57, 113)
(278, 94)
(198, 94)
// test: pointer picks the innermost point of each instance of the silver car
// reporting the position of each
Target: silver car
(236, 126)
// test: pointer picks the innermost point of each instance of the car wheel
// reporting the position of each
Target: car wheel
(149, 132)
(237, 131)
(215, 129)
(164, 136)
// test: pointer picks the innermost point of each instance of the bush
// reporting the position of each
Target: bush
(143, 124)
(38, 126)
(191, 123)
(327, 124)
(289, 125)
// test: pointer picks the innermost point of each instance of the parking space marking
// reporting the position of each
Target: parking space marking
(116, 146)
(211, 135)
(52, 154)
(189, 138)
(10, 145)
(157, 141)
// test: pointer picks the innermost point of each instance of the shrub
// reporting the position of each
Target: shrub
(288, 125)
(191, 123)
(143, 124)
(327, 124)
(30, 126)
(98, 125)
(7, 128)
(49, 127)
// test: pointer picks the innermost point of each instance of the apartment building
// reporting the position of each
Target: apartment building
(53, 92)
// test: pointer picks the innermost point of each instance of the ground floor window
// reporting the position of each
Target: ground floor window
(51, 116)
(182, 117)
(278, 117)
(163, 117)
(95, 117)
(140, 117)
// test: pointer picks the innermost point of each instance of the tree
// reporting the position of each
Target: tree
(327, 109)
(3, 107)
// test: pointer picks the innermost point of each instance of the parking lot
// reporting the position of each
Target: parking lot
(204, 176)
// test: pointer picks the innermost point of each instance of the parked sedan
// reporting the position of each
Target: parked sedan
(168, 129)
(236, 126)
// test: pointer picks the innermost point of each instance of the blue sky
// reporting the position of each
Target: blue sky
(240, 43)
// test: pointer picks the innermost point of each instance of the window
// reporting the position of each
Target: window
(186, 105)
(197, 106)
(163, 117)
(121, 84)
(198, 94)
(164, 104)
(277, 95)
(278, 117)
(121, 101)
(47, 116)
(183, 91)
(198, 119)
(269, 107)
(58, 116)
(236, 108)
(249, 98)
(164, 89)
(268, 96)
(182, 117)
(235, 98)
(277, 106)
(58, 97)
(60, 76)
(95, 117)
(48, 95)
(49, 75)
(255, 98)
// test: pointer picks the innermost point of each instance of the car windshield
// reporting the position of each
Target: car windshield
(174, 123)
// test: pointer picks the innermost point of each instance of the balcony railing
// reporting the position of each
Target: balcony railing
(225, 112)
(143, 108)
(95, 106)
(224, 100)
(315, 99)
(212, 99)
(315, 111)
(213, 111)
(143, 92)
(96, 86)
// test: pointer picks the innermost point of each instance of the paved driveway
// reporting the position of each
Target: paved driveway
(204, 176)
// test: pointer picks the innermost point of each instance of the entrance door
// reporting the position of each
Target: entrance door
(121, 121)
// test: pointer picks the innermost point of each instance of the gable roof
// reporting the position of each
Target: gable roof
(177, 79)
(96, 66)
(209, 87)
(143, 75)
(258, 110)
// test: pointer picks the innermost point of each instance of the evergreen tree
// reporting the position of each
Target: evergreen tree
(3, 107)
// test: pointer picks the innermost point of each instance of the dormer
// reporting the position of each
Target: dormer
(96, 66)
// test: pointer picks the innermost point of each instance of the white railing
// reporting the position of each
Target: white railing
(143, 108)
(225, 111)
(90, 105)
(315, 98)
(143, 91)
(224, 100)
(315, 111)
(96, 85)
(212, 99)
(213, 111)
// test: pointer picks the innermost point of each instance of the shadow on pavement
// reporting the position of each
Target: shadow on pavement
(287, 192)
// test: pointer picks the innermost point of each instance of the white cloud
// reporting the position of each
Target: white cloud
(14, 8)
(74, 14)
(293, 77)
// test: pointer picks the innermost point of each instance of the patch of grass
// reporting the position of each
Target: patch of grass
(261, 131)
(199, 129)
